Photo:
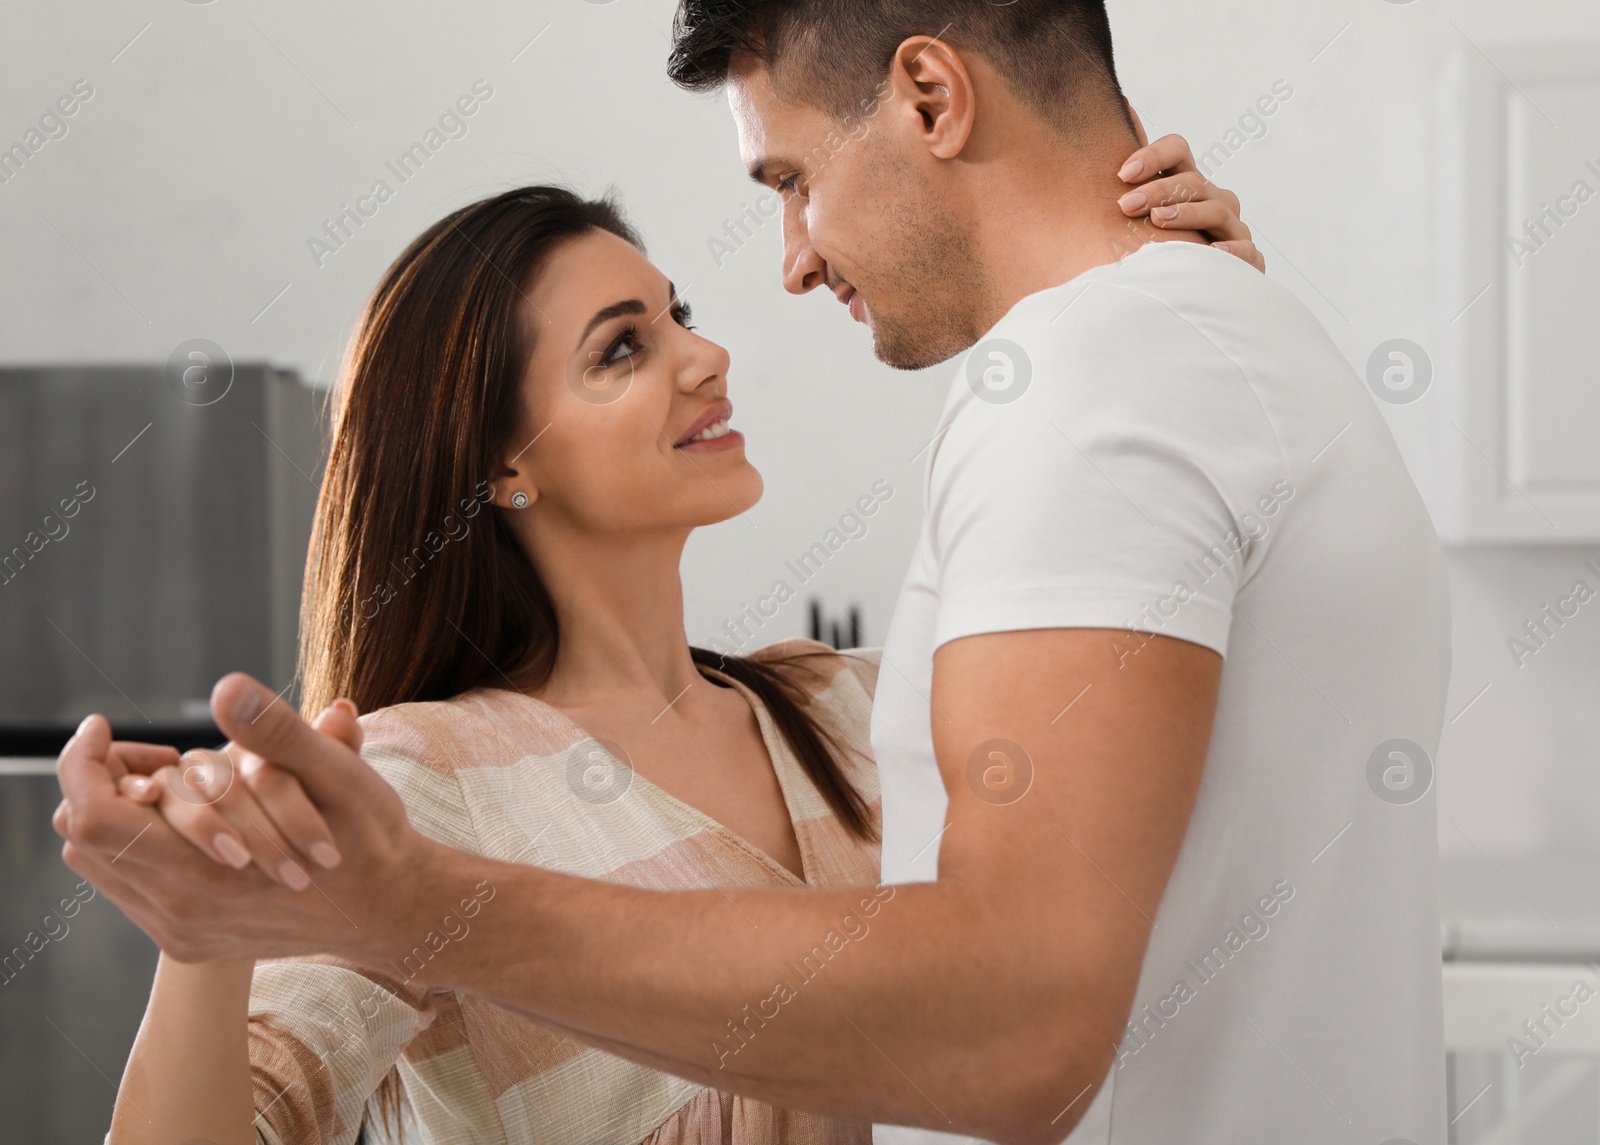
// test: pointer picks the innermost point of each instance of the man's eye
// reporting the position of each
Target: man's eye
(790, 185)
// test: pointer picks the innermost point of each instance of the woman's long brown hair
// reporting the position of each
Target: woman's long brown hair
(415, 589)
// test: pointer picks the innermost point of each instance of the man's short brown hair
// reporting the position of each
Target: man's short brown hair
(1056, 55)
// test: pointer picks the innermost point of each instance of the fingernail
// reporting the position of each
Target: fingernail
(326, 855)
(247, 704)
(348, 707)
(1223, 247)
(231, 850)
(1165, 214)
(138, 785)
(1131, 170)
(83, 725)
(1134, 201)
(292, 875)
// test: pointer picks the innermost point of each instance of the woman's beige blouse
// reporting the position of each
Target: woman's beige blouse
(506, 776)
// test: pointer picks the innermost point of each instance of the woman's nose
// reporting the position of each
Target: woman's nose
(707, 364)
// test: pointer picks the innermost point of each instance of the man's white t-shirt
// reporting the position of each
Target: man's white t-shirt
(1172, 444)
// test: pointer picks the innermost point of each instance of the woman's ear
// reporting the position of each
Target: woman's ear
(513, 483)
(1138, 126)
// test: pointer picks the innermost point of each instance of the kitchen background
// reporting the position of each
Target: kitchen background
(189, 196)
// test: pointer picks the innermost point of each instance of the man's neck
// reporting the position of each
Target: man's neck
(1052, 216)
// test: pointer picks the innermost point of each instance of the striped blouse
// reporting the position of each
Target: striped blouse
(503, 775)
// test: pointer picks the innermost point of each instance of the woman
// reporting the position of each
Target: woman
(529, 429)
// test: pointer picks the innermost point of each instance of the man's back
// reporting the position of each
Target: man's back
(1172, 445)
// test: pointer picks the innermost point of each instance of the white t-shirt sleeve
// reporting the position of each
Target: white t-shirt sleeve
(1133, 485)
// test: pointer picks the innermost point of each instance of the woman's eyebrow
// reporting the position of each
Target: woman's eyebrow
(615, 310)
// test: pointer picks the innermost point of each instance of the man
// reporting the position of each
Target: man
(1145, 893)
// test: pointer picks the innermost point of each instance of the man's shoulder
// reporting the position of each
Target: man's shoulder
(1171, 343)
(1158, 302)
(1178, 341)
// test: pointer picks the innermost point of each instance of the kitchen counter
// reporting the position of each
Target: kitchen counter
(27, 765)
(1537, 909)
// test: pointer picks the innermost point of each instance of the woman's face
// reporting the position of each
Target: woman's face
(629, 407)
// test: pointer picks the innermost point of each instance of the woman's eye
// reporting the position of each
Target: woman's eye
(683, 316)
(627, 341)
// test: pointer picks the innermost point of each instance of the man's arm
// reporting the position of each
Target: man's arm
(989, 1002)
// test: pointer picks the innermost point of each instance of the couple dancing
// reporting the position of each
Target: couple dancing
(1057, 863)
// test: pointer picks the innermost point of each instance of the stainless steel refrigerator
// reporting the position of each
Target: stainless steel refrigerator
(153, 532)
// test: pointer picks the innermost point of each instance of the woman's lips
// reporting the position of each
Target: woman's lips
(733, 439)
(710, 432)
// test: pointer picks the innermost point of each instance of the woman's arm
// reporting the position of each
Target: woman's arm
(188, 1077)
(309, 1042)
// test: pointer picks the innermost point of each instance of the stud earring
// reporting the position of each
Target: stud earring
(519, 500)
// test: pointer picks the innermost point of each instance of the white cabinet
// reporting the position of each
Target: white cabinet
(1522, 999)
(1517, 401)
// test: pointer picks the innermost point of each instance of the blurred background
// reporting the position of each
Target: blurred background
(183, 269)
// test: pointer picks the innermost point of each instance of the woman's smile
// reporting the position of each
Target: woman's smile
(710, 432)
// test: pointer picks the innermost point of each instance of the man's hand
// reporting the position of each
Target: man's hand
(183, 895)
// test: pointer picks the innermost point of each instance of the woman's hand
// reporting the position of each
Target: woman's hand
(197, 908)
(237, 808)
(129, 758)
(1170, 191)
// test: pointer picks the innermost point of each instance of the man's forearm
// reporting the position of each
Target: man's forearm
(988, 1003)
(907, 1005)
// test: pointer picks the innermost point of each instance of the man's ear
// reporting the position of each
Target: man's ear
(1138, 125)
(934, 91)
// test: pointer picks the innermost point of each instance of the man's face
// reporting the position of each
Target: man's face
(865, 215)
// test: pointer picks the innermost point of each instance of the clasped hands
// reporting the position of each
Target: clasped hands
(231, 854)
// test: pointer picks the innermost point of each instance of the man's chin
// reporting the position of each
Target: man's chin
(907, 350)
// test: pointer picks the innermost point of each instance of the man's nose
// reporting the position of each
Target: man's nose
(803, 268)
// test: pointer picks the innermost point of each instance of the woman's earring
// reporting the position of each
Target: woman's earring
(519, 500)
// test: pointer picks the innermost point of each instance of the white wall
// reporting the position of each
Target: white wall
(225, 136)
(180, 203)
(1344, 191)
